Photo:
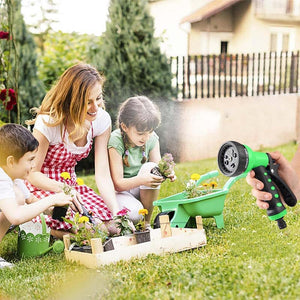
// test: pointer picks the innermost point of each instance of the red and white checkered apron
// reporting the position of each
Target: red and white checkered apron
(58, 160)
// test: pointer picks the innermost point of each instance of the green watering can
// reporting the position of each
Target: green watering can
(32, 243)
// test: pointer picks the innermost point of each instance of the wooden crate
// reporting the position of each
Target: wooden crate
(163, 240)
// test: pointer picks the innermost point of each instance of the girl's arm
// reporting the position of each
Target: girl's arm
(125, 184)
(36, 177)
(102, 172)
(154, 154)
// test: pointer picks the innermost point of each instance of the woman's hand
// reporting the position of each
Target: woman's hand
(285, 171)
(77, 203)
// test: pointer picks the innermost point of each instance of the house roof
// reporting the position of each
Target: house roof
(208, 10)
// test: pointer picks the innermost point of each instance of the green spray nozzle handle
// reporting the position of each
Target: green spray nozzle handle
(276, 210)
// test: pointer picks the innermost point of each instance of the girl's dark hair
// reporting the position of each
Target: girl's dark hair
(15, 140)
(141, 113)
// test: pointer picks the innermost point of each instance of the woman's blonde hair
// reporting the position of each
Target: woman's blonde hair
(68, 98)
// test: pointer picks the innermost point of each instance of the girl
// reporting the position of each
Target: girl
(70, 118)
(130, 147)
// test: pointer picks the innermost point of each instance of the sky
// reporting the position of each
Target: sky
(82, 16)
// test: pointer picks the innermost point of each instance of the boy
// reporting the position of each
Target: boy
(17, 152)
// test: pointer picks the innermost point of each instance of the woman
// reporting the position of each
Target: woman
(70, 117)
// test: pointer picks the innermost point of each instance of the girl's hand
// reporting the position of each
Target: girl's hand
(172, 176)
(151, 180)
(285, 171)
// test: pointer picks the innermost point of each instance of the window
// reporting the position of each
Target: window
(285, 42)
(273, 42)
(282, 39)
(224, 47)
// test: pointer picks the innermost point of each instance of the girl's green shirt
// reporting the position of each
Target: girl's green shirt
(135, 153)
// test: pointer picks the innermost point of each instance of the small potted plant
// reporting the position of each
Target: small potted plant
(142, 233)
(60, 211)
(193, 191)
(84, 231)
(165, 166)
(122, 222)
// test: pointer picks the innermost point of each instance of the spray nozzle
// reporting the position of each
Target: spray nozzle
(235, 159)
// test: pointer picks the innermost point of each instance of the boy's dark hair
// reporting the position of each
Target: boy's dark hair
(15, 140)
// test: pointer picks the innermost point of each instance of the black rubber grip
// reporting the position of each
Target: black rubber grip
(275, 204)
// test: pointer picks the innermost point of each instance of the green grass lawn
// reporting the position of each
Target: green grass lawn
(249, 259)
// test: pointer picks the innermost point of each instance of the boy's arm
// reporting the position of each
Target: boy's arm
(31, 199)
(18, 214)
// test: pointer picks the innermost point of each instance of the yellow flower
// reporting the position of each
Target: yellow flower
(80, 181)
(205, 184)
(195, 176)
(83, 219)
(143, 211)
(213, 184)
(65, 175)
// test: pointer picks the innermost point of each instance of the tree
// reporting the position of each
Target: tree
(43, 14)
(21, 70)
(130, 57)
(61, 50)
(31, 90)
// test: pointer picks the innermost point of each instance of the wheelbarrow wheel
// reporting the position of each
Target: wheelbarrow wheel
(156, 223)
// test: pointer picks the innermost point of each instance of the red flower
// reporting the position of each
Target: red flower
(123, 212)
(9, 105)
(4, 35)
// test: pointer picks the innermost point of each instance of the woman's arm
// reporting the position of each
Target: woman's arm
(102, 172)
(36, 177)
(296, 162)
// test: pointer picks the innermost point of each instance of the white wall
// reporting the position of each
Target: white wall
(255, 121)
(167, 16)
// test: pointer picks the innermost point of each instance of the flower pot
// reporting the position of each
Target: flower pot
(59, 212)
(156, 171)
(142, 236)
(108, 245)
(86, 249)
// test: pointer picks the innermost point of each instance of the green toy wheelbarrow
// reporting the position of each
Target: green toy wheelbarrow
(180, 209)
(34, 238)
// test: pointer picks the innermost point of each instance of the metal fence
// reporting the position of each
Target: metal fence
(228, 75)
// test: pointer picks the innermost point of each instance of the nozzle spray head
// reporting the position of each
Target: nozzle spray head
(235, 159)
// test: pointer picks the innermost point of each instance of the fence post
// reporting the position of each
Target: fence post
(292, 70)
(267, 71)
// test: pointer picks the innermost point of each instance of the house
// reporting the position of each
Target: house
(227, 26)
(248, 89)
